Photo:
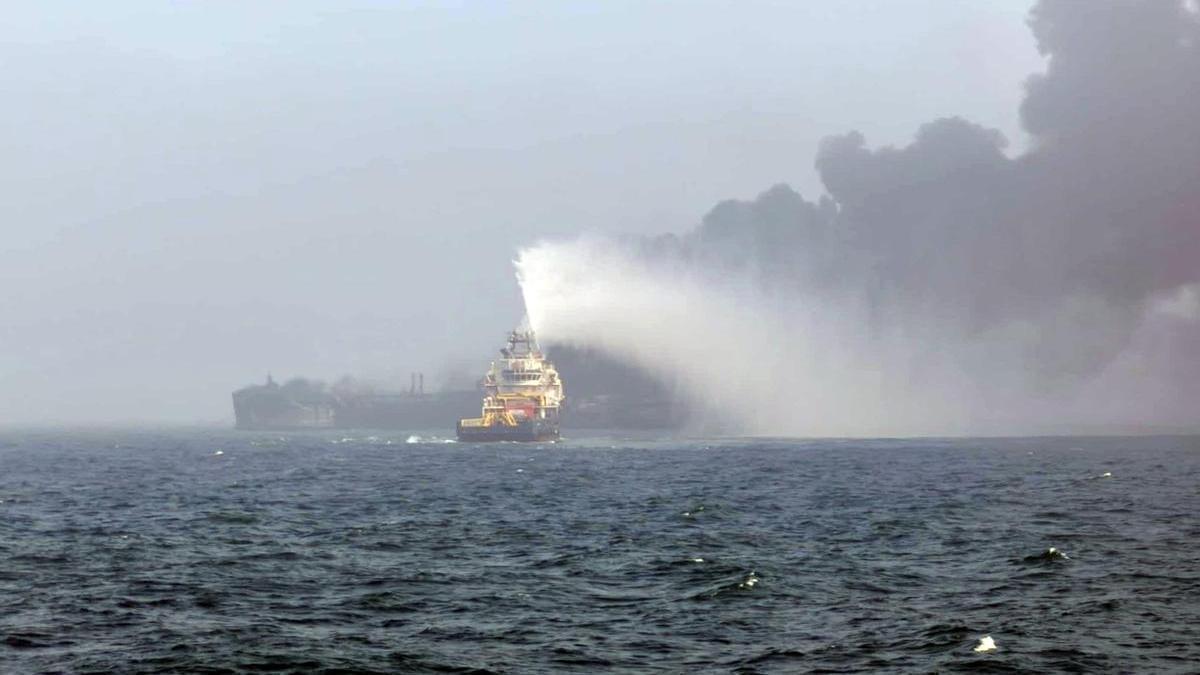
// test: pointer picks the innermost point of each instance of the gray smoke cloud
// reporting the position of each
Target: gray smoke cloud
(1057, 290)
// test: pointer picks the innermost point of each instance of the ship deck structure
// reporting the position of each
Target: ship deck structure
(523, 396)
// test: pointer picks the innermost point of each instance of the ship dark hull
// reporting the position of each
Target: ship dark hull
(278, 409)
(529, 431)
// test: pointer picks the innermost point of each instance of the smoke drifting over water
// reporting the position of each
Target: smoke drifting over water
(746, 359)
(942, 287)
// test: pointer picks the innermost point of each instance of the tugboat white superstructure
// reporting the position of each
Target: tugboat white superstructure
(523, 396)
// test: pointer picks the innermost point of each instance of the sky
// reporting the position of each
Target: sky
(200, 193)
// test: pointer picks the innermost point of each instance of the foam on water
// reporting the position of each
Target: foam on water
(413, 439)
(986, 644)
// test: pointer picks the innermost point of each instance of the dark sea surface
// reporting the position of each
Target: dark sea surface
(220, 551)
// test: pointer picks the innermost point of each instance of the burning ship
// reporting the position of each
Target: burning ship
(301, 403)
(522, 396)
(606, 393)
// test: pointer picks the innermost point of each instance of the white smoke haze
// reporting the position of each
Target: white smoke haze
(1183, 303)
(761, 363)
(941, 287)
(747, 362)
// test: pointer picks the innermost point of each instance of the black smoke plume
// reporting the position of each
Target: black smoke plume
(1056, 290)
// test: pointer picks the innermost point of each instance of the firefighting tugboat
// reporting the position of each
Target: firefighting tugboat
(522, 396)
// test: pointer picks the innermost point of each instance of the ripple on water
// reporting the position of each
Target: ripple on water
(295, 553)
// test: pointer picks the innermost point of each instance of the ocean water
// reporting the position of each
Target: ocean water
(218, 551)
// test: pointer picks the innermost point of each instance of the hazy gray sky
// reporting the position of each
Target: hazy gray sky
(197, 193)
